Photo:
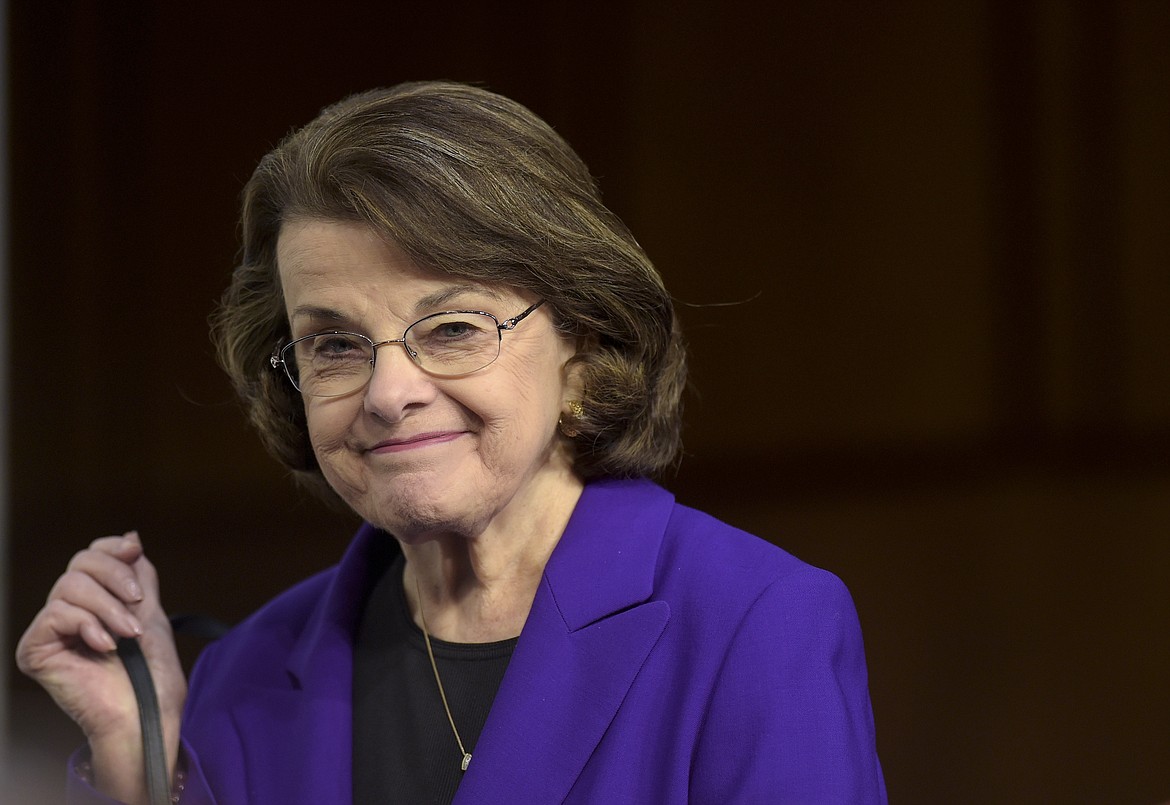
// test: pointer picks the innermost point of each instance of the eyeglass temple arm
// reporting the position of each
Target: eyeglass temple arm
(511, 323)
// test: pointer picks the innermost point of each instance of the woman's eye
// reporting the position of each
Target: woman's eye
(455, 329)
(448, 329)
(336, 347)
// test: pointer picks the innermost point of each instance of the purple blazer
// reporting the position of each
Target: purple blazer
(668, 658)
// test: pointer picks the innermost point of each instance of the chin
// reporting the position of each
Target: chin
(415, 511)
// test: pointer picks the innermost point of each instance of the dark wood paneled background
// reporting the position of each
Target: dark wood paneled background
(947, 226)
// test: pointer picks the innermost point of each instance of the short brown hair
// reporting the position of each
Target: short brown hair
(473, 185)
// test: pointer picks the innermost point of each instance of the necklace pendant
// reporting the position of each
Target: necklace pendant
(466, 760)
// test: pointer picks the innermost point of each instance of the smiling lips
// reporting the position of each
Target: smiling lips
(414, 442)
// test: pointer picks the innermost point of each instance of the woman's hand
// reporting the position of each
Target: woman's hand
(109, 590)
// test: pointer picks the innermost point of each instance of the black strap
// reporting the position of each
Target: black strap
(154, 754)
(201, 626)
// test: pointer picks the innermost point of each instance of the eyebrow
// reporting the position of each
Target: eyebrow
(437, 299)
(315, 312)
(444, 295)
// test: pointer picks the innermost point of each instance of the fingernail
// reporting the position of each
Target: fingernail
(133, 536)
(133, 590)
(133, 624)
(107, 641)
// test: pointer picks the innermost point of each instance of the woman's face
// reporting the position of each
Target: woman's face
(413, 453)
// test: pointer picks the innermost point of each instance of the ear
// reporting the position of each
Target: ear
(573, 369)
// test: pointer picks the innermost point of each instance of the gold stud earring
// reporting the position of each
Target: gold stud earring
(567, 422)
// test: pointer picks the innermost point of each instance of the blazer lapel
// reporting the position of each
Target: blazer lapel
(590, 630)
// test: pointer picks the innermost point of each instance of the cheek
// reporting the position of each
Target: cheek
(523, 419)
(328, 425)
(532, 395)
(328, 430)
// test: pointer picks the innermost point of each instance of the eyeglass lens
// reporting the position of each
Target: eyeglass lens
(445, 344)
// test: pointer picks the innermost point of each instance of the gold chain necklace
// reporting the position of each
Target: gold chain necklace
(438, 681)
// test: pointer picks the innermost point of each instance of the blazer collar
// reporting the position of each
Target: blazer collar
(605, 561)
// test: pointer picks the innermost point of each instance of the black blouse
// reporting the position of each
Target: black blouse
(403, 748)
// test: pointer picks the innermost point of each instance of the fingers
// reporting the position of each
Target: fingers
(59, 627)
(86, 590)
(95, 599)
(65, 619)
(127, 547)
(110, 562)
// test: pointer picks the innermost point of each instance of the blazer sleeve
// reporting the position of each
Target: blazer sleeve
(790, 718)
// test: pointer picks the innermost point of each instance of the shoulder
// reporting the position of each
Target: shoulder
(708, 563)
(761, 615)
(270, 633)
(295, 622)
(788, 669)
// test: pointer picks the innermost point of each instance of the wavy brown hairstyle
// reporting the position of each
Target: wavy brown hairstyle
(472, 185)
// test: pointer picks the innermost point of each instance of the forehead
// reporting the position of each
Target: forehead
(344, 266)
(307, 248)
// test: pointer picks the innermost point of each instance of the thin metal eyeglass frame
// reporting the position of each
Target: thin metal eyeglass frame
(277, 359)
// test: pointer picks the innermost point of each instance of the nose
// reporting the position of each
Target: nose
(397, 384)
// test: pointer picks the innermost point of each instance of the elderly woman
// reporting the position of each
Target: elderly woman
(438, 321)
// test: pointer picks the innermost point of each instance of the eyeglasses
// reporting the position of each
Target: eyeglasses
(448, 344)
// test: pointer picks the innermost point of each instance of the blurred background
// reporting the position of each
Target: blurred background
(946, 227)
